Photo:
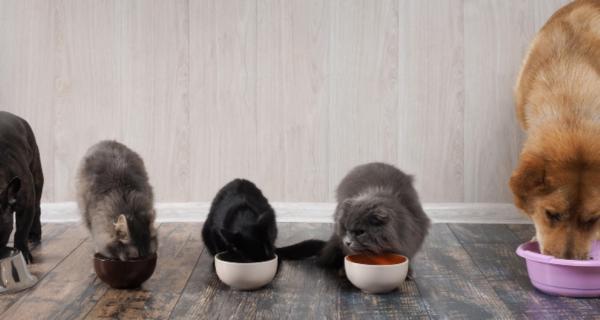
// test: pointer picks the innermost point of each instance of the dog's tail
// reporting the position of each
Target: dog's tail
(301, 250)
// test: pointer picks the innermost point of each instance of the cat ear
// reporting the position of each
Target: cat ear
(348, 203)
(264, 220)
(378, 218)
(12, 190)
(121, 225)
(232, 237)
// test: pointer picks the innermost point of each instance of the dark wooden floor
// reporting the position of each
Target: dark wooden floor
(463, 272)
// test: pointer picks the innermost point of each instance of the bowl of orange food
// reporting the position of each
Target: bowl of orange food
(376, 273)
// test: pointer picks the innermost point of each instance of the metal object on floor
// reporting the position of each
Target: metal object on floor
(14, 275)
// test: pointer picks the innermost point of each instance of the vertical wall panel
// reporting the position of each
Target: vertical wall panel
(202, 96)
(87, 92)
(431, 89)
(497, 35)
(270, 102)
(307, 93)
(222, 93)
(293, 60)
(363, 85)
(154, 76)
(27, 40)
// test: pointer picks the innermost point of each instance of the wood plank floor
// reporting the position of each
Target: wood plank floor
(465, 271)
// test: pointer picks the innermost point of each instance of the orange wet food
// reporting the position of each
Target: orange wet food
(383, 259)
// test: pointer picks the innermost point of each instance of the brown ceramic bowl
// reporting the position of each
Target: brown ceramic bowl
(124, 274)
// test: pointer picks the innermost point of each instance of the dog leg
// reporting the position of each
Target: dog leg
(24, 215)
(24, 219)
(35, 235)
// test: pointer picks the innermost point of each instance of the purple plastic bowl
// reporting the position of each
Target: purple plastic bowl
(571, 278)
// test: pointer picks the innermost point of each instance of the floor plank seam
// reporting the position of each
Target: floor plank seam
(42, 277)
(94, 306)
(94, 272)
(187, 281)
(487, 280)
(416, 280)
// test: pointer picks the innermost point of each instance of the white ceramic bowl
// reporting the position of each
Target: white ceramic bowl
(376, 274)
(245, 276)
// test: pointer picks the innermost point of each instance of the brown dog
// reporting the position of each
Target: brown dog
(557, 182)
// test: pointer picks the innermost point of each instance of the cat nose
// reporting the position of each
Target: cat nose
(347, 240)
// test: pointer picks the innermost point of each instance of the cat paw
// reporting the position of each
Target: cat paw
(410, 275)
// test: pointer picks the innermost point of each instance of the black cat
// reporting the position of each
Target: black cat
(21, 183)
(242, 221)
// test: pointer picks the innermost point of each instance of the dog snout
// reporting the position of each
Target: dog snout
(567, 254)
(576, 255)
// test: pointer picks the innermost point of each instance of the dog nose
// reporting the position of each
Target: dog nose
(348, 243)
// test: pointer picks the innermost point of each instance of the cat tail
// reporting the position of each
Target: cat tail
(301, 250)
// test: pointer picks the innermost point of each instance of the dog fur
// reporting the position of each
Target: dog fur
(557, 181)
(21, 184)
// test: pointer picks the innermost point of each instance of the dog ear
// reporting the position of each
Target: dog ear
(12, 190)
(528, 179)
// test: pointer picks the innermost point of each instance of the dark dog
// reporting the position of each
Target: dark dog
(21, 182)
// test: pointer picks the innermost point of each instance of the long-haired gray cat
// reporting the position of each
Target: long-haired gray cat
(378, 211)
(116, 201)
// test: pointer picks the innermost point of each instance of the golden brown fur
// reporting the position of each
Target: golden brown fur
(557, 181)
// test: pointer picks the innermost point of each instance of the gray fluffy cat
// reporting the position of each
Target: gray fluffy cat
(116, 201)
(378, 211)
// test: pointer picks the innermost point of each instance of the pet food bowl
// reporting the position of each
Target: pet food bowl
(571, 278)
(124, 274)
(244, 275)
(14, 274)
(376, 273)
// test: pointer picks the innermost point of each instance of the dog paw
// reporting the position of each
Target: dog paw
(26, 253)
(28, 257)
(34, 242)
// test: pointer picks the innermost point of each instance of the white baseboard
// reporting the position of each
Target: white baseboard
(309, 212)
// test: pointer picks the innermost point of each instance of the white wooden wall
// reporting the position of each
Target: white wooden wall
(288, 93)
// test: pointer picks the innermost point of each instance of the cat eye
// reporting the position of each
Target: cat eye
(358, 232)
(553, 216)
(376, 221)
